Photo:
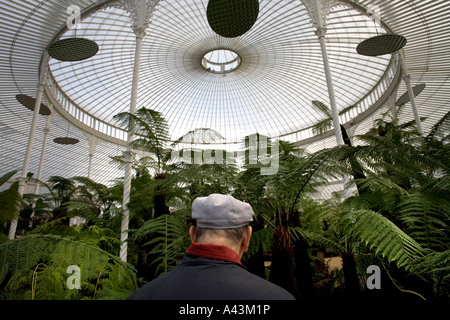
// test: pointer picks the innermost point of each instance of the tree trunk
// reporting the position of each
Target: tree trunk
(160, 205)
(303, 272)
(351, 281)
(281, 267)
(357, 170)
(159, 199)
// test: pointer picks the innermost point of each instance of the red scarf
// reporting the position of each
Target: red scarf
(213, 251)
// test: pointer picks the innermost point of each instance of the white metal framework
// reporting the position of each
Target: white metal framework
(281, 71)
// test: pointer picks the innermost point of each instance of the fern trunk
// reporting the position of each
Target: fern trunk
(357, 170)
(159, 199)
(282, 259)
(352, 287)
(303, 272)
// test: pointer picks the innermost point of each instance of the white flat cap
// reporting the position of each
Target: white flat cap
(218, 211)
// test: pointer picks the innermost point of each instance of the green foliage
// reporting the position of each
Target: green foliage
(326, 124)
(427, 220)
(10, 203)
(384, 236)
(168, 239)
(151, 135)
(260, 239)
(398, 219)
(35, 267)
(10, 199)
(6, 176)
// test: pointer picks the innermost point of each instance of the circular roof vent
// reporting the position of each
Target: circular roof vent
(221, 61)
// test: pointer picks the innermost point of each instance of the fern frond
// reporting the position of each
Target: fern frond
(10, 203)
(168, 239)
(46, 258)
(260, 239)
(440, 128)
(427, 220)
(24, 252)
(321, 107)
(382, 235)
(434, 262)
(6, 176)
(322, 126)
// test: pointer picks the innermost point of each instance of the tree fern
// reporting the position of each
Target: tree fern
(168, 241)
(10, 199)
(427, 220)
(151, 132)
(382, 235)
(10, 203)
(440, 129)
(24, 252)
(37, 268)
(260, 239)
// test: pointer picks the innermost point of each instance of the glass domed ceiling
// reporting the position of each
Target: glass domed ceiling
(280, 68)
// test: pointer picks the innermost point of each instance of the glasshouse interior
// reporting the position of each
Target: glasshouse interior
(331, 118)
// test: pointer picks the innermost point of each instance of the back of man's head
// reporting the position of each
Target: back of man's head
(223, 220)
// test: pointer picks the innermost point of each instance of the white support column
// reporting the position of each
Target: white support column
(44, 146)
(392, 107)
(139, 29)
(41, 160)
(318, 10)
(334, 113)
(128, 158)
(26, 162)
(412, 98)
(93, 143)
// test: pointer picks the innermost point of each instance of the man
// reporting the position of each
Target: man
(211, 268)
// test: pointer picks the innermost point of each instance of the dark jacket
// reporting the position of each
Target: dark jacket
(201, 278)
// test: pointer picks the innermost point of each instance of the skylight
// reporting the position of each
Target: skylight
(221, 61)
